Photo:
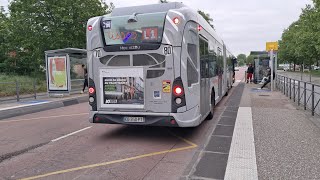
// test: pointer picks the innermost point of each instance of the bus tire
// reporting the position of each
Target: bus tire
(213, 102)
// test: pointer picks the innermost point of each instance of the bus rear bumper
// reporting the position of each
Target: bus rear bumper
(154, 119)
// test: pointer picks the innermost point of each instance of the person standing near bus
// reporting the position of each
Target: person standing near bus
(85, 83)
(250, 71)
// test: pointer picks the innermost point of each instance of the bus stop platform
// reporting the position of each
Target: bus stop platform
(260, 135)
(27, 106)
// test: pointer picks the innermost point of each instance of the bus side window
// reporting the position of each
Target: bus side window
(212, 64)
(219, 62)
(192, 60)
(204, 58)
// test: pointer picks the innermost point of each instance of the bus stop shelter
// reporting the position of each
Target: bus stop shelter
(65, 71)
(261, 64)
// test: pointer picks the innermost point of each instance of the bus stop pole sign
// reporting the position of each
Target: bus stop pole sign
(272, 47)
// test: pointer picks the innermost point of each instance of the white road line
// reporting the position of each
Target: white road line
(242, 157)
(62, 137)
(46, 117)
(18, 106)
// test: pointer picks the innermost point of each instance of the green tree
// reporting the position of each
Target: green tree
(207, 17)
(300, 42)
(250, 59)
(241, 58)
(3, 39)
(37, 26)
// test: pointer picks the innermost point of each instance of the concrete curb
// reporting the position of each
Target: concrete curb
(18, 111)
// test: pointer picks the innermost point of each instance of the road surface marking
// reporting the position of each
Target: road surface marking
(7, 108)
(242, 156)
(183, 139)
(45, 117)
(238, 81)
(62, 137)
(192, 145)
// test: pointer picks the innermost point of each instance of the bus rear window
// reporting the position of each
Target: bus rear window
(133, 30)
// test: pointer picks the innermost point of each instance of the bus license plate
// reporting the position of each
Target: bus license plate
(134, 119)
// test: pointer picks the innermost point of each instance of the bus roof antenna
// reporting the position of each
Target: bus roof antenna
(133, 18)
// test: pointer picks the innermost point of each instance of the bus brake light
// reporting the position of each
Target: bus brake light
(91, 90)
(178, 90)
(90, 28)
(176, 20)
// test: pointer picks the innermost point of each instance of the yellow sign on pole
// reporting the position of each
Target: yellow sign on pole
(272, 46)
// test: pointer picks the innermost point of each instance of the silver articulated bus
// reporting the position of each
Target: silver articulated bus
(160, 65)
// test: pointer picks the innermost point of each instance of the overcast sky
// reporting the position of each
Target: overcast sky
(243, 25)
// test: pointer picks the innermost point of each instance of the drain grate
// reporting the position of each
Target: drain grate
(263, 95)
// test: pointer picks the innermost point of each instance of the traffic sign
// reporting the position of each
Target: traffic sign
(272, 46)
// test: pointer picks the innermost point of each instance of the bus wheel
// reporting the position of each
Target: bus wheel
(213, 102)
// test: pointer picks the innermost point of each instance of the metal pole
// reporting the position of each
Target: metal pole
(294, 90)
(290, 88)
(17, 90)
(298, 93)
(272, 69)
(305, 96)
(276, 62)
(34, 89)
(287, 87)
(284, 85)
(312, 99)
(301, 69)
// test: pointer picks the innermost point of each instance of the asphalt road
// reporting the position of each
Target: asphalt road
(62, 144)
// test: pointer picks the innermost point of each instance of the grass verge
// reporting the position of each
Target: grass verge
(26, 85)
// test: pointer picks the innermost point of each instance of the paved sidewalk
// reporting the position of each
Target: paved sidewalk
(272, 139)
(287, 139)
(27, 106)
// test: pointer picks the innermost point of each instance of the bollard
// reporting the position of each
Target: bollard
(312, 100)
(305, 96)
(17, 90)
(298, 93)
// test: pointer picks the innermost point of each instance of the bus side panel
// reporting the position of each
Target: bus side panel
(94, 39)
(225, 75)
(190, 66)
(159, 85)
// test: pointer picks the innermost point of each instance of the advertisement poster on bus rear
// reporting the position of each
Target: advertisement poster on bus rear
(122, 88)
(57, 73)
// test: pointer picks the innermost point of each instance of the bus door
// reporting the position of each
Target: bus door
(205, 101)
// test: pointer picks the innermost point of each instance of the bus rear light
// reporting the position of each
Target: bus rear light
(199, 28)
(91, 99)
(172, 121)
(176, 20)
(178, 98)
(178, 101)
(90, 28)
(91, 90)
(178, 91)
